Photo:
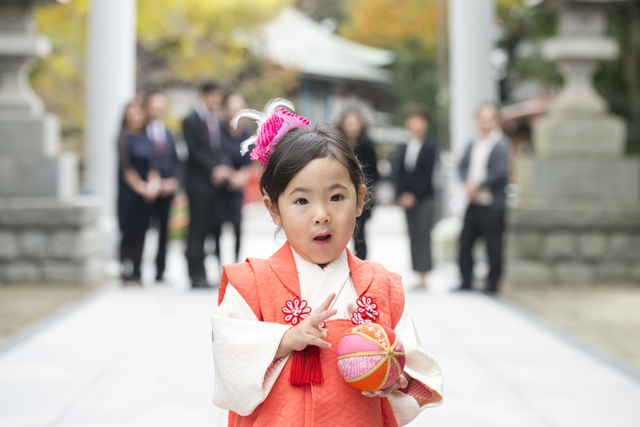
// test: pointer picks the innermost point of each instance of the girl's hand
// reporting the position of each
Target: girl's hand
(308, 332)
(401, 382)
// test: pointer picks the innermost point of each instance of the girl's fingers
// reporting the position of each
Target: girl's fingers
(327, 303)
(402, 382)
(319, 342)
(320, 316)
(315, 332)
(323, 312)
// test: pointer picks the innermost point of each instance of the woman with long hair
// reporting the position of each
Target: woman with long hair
(138, 187)
(352, 126)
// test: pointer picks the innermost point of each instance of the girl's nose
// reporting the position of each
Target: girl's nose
(322, 216)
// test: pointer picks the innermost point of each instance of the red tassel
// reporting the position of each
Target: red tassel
(296, 375)
(306, 367)
(313, 371)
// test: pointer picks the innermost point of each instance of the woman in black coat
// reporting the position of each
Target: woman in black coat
(352, 126)
(138, 187)
(414, 188)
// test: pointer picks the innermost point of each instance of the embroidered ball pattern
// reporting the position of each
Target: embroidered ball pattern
(360, 347)
(355, 367)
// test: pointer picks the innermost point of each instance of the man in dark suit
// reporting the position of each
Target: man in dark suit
(484, 170)
(206, 171)
(164, 149)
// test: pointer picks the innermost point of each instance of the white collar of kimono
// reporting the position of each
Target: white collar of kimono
(317, 283)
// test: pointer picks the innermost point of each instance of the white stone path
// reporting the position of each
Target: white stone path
(141, 357)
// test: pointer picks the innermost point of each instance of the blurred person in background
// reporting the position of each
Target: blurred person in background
(231, 196)
(139, 186)
(352, 126)
(164, 148)
(414, 189)
(484, 170)
(206, 172)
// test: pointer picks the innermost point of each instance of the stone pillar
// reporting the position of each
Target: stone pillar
(471, 76)
(110, 85)
(29, 138)
(578, 219)
(47, 232)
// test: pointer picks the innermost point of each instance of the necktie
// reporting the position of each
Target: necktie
(213, 132)
(157, 139)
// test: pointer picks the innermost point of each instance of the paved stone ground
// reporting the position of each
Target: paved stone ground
(22, 306)
(603, 316)
(141, 357)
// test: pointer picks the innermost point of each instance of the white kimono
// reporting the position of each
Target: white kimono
(244, 348)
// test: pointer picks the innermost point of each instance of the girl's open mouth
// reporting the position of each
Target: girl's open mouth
(322, 240)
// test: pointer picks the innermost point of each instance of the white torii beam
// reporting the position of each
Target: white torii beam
(110, 85)
(472, 80)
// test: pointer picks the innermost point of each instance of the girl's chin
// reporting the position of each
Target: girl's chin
(316, 258)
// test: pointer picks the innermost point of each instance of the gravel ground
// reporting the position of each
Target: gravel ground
(24, 305)
(604, 317)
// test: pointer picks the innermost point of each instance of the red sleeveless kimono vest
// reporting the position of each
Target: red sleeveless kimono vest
(266, 286)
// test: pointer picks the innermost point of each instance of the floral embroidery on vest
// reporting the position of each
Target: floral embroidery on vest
(295, 311)
(365, 312)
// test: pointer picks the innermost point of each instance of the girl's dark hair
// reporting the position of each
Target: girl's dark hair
(299, 147)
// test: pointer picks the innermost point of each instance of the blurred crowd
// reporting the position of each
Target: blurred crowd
(215, 176)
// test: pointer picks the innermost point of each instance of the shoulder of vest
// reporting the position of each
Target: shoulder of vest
(394, 288)
(243, 278)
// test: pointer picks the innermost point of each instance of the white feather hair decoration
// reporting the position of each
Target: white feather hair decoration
(260, 117)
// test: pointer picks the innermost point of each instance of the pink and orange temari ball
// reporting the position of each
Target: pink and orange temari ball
(370, 357)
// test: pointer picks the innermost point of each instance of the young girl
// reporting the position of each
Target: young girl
(279, 320)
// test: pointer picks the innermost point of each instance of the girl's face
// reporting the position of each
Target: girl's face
(318, 210)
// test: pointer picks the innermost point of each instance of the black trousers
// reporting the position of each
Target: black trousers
(217, 231)
(131, 247)
(202, 212)
(486, 222)
(161, 209)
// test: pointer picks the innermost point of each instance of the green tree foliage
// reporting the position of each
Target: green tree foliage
(60, 78)
(180, 42)
(409, 28)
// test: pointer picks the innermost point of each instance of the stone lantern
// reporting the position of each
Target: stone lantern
(578, 218)
(47, 232)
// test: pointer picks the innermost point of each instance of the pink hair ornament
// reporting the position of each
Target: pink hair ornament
(273, 123)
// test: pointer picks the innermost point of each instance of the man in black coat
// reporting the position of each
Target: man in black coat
(164, 148)
(206, 170)
(484, 171)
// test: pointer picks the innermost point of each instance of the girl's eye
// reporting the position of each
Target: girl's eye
(301, 202)
(336, 197)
